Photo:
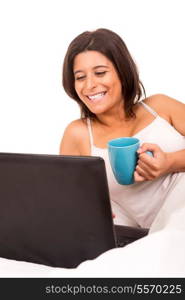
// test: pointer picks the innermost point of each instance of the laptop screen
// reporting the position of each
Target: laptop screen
(54, 210)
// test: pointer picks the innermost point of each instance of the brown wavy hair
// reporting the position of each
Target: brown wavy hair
(113, 47)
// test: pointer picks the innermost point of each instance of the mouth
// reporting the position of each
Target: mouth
(96, 97)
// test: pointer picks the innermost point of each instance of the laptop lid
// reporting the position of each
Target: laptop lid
(54, 210)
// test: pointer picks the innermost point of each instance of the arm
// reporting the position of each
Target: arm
(69, 144)
(176, 161)
(149, 168)
(161, 163)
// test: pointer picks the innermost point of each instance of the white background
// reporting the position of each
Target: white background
(34, 36)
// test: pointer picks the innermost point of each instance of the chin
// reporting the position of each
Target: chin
(97, 111)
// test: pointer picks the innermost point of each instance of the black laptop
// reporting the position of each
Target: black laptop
(54, 210)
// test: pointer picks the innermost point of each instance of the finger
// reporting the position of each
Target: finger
(155, 149)
(140, 171)
(145, 163)
(149, 164)
(148, 146)
(146, 159)
(148, 175)
(137, 177)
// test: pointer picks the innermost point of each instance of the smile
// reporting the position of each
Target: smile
(96, 97)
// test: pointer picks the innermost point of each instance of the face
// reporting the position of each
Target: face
(96, 82)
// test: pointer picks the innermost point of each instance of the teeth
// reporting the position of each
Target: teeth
(97, 96)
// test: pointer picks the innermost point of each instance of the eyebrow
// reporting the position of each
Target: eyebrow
(96, 67)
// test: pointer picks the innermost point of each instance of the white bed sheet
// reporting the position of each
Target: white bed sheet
(160, 254)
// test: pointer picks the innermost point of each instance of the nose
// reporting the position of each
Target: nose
(90, 83)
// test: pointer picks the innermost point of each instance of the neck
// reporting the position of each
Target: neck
(113, 119)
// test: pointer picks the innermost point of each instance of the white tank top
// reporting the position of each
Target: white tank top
(139, 203)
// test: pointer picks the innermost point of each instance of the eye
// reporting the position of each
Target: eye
(80, 77)
(102, 73)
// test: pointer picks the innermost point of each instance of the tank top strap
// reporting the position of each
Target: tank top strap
(89, 127)
(149, 109)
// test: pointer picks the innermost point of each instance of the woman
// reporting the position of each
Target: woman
(101, 76)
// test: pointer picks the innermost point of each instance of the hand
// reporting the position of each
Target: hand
(149, 168)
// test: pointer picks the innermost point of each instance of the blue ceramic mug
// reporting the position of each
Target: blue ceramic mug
(123, 158)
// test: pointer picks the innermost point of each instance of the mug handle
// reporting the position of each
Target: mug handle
(149, 153)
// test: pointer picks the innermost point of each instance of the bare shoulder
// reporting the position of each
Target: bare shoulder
(76, 128)
(164, 105)
(170, 109)
(73, 137)
(161, 99)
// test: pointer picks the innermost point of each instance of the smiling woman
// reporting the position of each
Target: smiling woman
(101, 76)
(96, 82)
(113, 55)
